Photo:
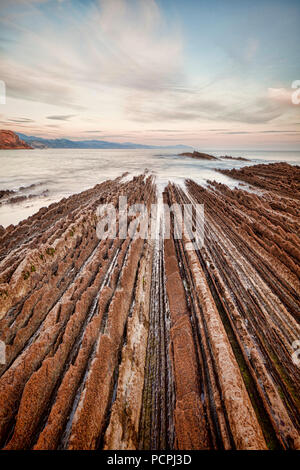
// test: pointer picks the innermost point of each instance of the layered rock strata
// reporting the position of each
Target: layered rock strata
(140, 343)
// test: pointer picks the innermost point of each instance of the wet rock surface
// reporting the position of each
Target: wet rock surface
(229, 157)
(282, 178)
(198, 155)
(137, 343)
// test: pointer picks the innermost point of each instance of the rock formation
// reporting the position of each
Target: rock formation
(133, 343)
(9, 140)
(229, 157)
(198, 155)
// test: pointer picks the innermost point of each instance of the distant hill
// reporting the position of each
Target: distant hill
(39, 142)
(10, 140)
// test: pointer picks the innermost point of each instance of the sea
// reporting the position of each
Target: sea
(47, 175)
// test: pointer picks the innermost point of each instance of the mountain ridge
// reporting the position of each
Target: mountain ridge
(40, 142)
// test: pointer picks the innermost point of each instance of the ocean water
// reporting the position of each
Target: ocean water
(50, 174)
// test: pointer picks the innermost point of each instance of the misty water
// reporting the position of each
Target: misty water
(58, 173)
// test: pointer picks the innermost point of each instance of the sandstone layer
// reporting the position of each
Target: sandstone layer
(141, 343)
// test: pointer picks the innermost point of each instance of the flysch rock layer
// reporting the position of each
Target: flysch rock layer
(134, 343)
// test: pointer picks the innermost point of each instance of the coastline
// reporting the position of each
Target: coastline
(94, 327)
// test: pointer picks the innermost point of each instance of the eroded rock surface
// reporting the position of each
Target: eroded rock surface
(198, 155)
(128, 343)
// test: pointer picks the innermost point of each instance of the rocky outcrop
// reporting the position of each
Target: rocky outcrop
(229, 157)
(281, 178)
(9, 141)
(198, 155)
(133, 343)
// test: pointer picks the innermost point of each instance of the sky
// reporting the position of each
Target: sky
(210, 74)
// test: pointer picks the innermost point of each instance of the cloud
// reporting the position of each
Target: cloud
(21, 120)
(32, 84)
(281, 95)
(208, 105)
(260, 132)
(61, 117)
(123, 64)
(93, 132)
(133, 46)
(164, 130)
(119, 45)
